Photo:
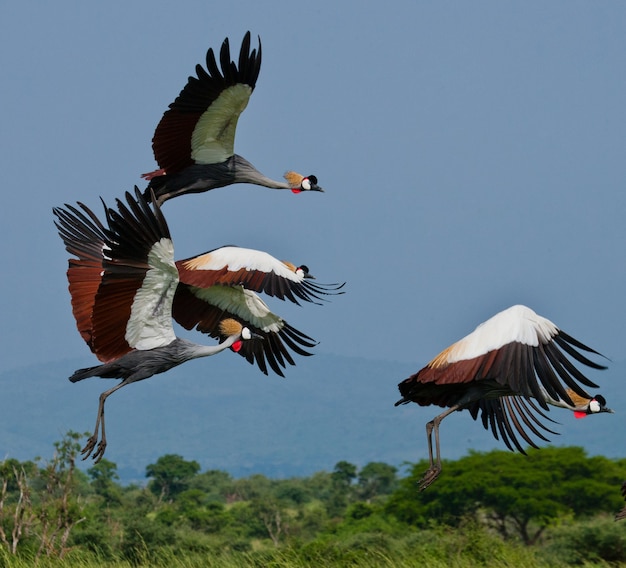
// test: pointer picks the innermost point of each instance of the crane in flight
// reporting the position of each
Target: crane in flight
(503, 369)
(126, 287)
(194, 140)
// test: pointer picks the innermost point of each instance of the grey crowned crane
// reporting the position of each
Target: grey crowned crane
(503, 369)
(125, 288)
(194, 141)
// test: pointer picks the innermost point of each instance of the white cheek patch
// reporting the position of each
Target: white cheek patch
(594, 406)
(306, 184)
(245, 333)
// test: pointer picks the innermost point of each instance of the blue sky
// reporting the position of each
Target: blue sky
(472, 155)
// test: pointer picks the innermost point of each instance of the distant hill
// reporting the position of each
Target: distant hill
(226, 415)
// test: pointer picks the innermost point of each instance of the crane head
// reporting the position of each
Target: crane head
(299, 183)
(303, 271)
(230, 327)
(596, 404)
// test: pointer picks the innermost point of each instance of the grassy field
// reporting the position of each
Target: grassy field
(467, 547)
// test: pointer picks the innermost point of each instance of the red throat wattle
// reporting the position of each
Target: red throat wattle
(236, 346)
(295, 190)
(579, 414)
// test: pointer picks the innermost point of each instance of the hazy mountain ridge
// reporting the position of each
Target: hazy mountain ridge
(226, 415)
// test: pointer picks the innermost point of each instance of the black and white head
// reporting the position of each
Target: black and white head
(598, 404)
(303, 271)
(595, 405)
(299, 183)
(230, 327)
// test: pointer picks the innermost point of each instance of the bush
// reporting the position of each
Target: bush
(586, 541)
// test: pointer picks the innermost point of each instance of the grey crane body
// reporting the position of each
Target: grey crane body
(199, 178)
(460, 395)
(138, 365)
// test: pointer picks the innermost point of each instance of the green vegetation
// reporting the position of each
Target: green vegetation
(552, 508)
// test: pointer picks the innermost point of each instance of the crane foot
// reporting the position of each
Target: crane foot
(429, 477)
(99, 451)
(89, 447)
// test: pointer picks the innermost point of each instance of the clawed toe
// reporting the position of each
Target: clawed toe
(89, 447)
(99, 451)
(429, 477)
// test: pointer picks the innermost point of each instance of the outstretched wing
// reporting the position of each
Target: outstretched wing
(84, 237)
(203, 308)
(510, 416)
(254, 270)
(517, 349)
(133, 259)
(200, 125)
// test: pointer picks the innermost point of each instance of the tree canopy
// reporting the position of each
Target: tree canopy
(557, 501)
(517, 494)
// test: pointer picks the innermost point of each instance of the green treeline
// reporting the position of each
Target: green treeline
(553, 507)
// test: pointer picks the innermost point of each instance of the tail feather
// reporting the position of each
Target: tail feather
(85, 373)
(158, 185)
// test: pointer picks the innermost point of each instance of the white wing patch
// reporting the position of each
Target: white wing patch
(243, 303)
(238, 258)
(150, 322)
(213, 138)
(516, 324)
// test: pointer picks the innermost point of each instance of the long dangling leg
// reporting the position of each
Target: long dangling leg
(434, 470)
(93, 439)
(97, 456)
